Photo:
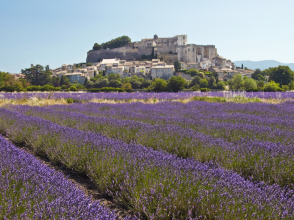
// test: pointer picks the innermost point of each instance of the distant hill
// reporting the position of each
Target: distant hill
(262, 65)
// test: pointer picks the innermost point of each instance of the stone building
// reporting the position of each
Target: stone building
(168, 49)
(162, 72)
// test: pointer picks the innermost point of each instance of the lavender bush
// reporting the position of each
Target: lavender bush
(31, 190)
(154, 183)
(145, 96)
(262, 151)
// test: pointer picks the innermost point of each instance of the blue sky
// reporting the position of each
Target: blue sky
(60, 32)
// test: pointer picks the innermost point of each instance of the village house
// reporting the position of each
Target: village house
(162, 72)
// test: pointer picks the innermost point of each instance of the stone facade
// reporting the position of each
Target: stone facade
(170, 49)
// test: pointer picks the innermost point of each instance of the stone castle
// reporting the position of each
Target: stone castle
(167, 49)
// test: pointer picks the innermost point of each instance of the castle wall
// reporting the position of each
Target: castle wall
(124, 53)
(177, 45)
(168, 58)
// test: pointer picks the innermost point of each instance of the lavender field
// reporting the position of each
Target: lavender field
(144, 96)
(167, 160)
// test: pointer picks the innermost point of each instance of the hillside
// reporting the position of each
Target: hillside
(265, 64)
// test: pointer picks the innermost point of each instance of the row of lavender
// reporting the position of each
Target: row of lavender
(144, 96)
(154, 183)
(31, 190)
(238, 137)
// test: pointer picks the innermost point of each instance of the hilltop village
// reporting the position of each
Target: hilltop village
(152, 58)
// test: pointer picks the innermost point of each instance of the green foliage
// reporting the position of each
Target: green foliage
(272, 87)
(237, 82)
(250, 84)
(89, 64)
(145, 84)
(203, 83)
(205, 89)
(195, 81)
(117, 42)
(114, 76)
(8, 83)
(260, 85)
(43, 88)
(291, 85)
(127, 87)
(64, 87)
(115, 84)
(64, 81)
(177, 65)
(192, 72)
(261, 77)
(221, 85)
(97, 46)
(256, 73)
(209, 99)
(107, 89)
(176, 84)
(36, 75)
(281, 74)
(285, 88)
(69, 100)
(196, 87)
(211, 82)
(100, 83)
(77, 85)
(73, 89)
(158, 85)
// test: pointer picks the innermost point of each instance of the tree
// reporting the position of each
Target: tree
(260, 77)
(126, 80)
(201, 75)
(114, 76)
(260, 85)
(115, 84)
(127, 87)
(158, 85)
(177, 65)
(55, 81)
(192, 72)
(155, 36)
(242, 66)
(145, 84)
(47, 68)
(136, 84)
(36, 75)
(291, 85)
(176, 84)
(64, 81)
(86, 82)
(281, 74)
(236, 82)
(221, 85)
(203, 83)
(255, 74)
(211, 82)
(100, 83)
(97, 46)
(272, 87)
(117, 42)
(195, 81)
(250, 83)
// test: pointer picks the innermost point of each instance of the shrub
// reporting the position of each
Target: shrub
(73, 89)
(205, 89)
(70, 100)
(252, 90)
(64, 87)
(107, 89)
